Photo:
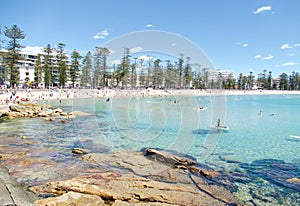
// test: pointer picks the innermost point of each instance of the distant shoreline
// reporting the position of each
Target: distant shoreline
(34, 95)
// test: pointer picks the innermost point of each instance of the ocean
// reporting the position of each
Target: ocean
(258, 146)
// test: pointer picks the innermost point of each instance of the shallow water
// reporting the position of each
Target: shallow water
(257, 150)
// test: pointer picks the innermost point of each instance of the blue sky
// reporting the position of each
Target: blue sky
(238, 35)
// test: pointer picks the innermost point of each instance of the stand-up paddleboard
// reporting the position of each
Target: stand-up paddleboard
(220, 127)
(295, 136)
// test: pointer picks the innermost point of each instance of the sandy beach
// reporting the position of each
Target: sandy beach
(33, 95)
(13, 97)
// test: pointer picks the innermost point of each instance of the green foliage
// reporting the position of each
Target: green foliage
(283, 84)
(100, 67)
(171, 75)
(122, 72)
(187, 74)
(157, 74)
(133, 76)
(74, 69)
(48, 65)
(13, 34)
(180, 69)
(85, 79)
(62, 67)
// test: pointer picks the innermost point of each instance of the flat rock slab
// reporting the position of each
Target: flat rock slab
(111, 186)
(131, 178)
(12, 192)
(72, 198)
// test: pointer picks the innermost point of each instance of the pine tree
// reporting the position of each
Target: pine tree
(157, 74)
(48, 66)
(180, 69)
(187, 75)
(125, 68)
(14, 34)
(62, 65)
(85, 79)
(74, 69)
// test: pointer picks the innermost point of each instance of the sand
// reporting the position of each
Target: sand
(34, 95)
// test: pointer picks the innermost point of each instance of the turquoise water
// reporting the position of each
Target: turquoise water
(257, 150)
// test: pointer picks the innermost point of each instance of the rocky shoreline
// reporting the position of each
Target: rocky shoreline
(150, 178)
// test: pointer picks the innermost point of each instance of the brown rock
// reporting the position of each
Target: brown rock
(49, 119)
(168, 158)
(58, 110)
(123, 203)
(79, 151)
(294, 180)
(111, 186)
(204, 172)
(71, 198)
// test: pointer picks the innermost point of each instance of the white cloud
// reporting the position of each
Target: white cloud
(101, 34)
(149, 25)
(257, 56)
(145, 58)
(262, 9)
(289, 64)
(287, 46)
(268, 57)
(242, 44)
(33, 49)
(173, 44)
(136, 49)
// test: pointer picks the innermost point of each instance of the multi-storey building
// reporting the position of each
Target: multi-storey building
(26, 66)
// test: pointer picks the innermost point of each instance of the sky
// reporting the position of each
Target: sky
(240, 35)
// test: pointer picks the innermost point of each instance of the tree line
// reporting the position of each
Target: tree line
(55, 68)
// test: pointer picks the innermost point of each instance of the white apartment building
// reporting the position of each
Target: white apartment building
(26, 67)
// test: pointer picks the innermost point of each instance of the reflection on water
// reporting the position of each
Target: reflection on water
(257, 152)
